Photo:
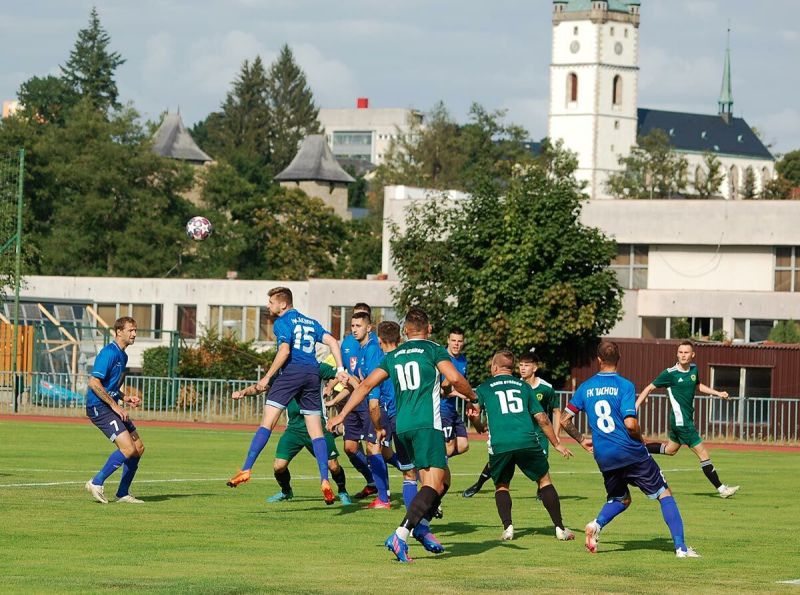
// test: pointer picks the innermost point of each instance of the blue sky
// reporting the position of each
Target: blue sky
(185, 53)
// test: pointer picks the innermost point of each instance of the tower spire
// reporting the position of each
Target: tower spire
(726, 94)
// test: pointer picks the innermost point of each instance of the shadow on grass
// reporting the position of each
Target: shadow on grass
(658, 544)
(163, 497)
(709, 495)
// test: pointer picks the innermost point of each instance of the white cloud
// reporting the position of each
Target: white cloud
(159, 56)
(332, 82)
(530, 113)
(780, 128)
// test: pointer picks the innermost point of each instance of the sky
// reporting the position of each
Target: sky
(184, 54)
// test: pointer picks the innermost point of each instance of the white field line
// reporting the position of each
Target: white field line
(214, 479)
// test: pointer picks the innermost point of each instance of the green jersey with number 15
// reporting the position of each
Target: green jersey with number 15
(412, 369)
(510, 405)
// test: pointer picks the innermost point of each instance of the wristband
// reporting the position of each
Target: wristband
(340, 369)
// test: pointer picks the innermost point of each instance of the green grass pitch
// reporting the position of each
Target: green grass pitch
(196, 535)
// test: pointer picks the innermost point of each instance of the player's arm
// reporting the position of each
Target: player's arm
(707, 390)
(644, 394)
(474, 415)
(336, 352)
(547, 428)
(573, 432)
(249, 391)
(375, 416)
(97, 386)
(456, 380)
(359, 394)
(281, 358)
(557, 423)
(634, 431)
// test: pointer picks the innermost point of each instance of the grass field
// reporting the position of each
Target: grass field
(194, 534)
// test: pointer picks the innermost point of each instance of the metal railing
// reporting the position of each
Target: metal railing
(773, 420)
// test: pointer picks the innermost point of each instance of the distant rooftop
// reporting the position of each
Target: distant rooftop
(704, 133)
(314, 162)
(586, 5)
(174, 141)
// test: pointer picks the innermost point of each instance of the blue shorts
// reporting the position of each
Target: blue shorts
(645, 475)
(453, 426)
(297, 382)
(109, 422)
(358, 425)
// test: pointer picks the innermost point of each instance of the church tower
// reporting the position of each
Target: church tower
(593, 84)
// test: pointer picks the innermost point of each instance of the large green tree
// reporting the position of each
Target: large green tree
(514, 267)
(652, 170)
(47, 99)
(788, 167)
(91, 67)
(708, 177)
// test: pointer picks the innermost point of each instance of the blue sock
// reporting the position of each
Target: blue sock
(394, 461)
(256, 446)
(128, 471)
(321, 454)
(381, 475)
(113, 463)
(409, 491)
(672, 516)
(359, 462)
(609, 511)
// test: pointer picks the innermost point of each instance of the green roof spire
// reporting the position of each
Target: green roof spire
(726, 94)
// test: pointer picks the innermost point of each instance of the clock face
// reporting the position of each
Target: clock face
(618, 48)
(574, 47)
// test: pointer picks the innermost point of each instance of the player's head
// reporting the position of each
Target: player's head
(455, 340)
(502, 362)
(388, 335)
(528, 364)
(685, 352)
(125, 330)
(360, 325)
(362, 307)
(280, 300)
(417, 323)
(608, 354)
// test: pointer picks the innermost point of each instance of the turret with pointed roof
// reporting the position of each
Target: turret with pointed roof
(174, 141)
(726, 93)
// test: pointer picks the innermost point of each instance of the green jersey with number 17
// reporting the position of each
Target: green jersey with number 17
(510, 405)
(412, 369)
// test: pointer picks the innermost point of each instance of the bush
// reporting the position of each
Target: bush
(786, 331)
(155, 361)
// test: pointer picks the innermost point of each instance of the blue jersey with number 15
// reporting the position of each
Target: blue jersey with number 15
(302, 334)
(608, 398)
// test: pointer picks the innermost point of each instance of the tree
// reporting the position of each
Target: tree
(515, 267)
(90, 70)
(777, 188)
(789, 168)
(786, 331)
(708, 177)
(652, 170)
(749, 189)
(48, 99)
(293, 114)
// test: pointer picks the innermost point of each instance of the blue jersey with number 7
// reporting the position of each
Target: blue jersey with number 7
(608, 398)
(302, 335)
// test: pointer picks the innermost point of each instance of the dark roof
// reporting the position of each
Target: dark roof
(586, 5)
(314, 162)
(174, 141)
(704, 133)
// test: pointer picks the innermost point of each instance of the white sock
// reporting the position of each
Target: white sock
(402, 533)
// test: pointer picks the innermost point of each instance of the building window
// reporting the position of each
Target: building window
(787, 268)
(572, 87)
(340, 318)
(612, 31)
(733, 181)
(654, 327)
(617, 95)
(574, 30)
(682, 327)
(743, 384)
(244, 323)
(148, 317)
(187, 322)
(630, 266)
(352, 144)
(626, 32)
(616, 124)
(751, 330)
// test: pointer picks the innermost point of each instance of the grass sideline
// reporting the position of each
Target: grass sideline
(194, 534)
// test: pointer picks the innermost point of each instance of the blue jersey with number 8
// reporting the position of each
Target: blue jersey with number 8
(608, 398)
(302, 334)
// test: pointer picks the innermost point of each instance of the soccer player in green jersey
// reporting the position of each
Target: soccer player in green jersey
(513, 413)
(414, 369)
(681, 380)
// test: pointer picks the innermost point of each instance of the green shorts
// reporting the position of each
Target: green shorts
(684, 435)
(531, 461)
(425, 447)
(296, 439)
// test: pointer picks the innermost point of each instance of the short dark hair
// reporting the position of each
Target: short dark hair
(608, 352)
(529, 357)
(362, 307)
(504, 359)
(455, 330)
(389, 332)
(686, 342)
(361, 316)
(417, 318)
(119, 323)
(283, 293)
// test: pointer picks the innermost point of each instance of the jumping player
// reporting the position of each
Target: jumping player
(680, 381)
(609, 402)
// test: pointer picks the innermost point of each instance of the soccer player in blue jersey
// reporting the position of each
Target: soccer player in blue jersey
(294, 374)
(455, 431)
(609, 401)
(104, 406)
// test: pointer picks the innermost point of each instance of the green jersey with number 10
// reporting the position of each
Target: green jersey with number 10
(509, 404)
(412, 369)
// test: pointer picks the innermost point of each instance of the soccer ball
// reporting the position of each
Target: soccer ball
(199, 228)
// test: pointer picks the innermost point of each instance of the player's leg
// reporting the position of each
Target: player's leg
(337, 473)
(292, 441)
(131, 465)
(353, 435)
(502, 466)
(113, 428)
(670, 447)
(485, 476)
(280, 468)
(533, 463)
(272, 411)
(710, 471)
(406, 466)
(310, 401)
(377, 464)
(461, 440)
(618, 498)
